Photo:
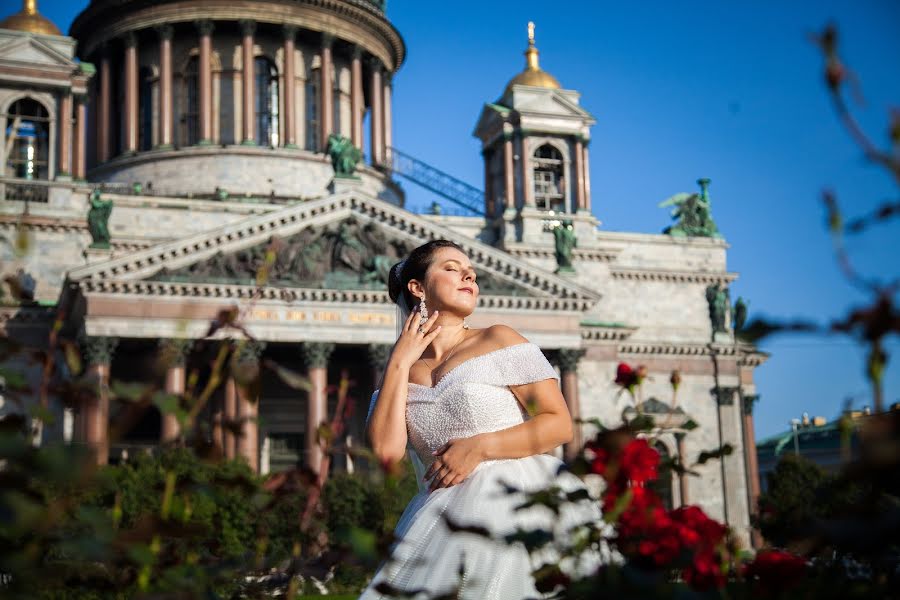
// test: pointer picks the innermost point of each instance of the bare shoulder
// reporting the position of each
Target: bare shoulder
(501, 336)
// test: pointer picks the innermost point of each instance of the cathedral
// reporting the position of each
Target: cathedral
(162, 154)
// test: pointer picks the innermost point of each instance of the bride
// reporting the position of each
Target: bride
(478, 410)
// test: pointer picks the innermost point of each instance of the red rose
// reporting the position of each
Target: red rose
(625, 376)
(693, 520)
(776, 570)
(639, 461)
(705, 571)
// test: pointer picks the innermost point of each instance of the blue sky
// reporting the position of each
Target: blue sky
(727, 90)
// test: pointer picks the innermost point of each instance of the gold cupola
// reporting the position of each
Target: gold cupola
(28, 19)
(533, 75)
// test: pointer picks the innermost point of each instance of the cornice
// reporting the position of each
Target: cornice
(39, 223)
(747, 356)
(632, 274)
(220, 291)
(593, 334)
(604, 255)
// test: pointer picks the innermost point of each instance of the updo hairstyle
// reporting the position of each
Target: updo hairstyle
(414, 267)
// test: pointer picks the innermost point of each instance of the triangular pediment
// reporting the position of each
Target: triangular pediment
(345, 241)
(33, 52)
(548, 103)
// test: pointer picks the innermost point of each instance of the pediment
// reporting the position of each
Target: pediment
(33, 52)
(549, 103)
(345, 241)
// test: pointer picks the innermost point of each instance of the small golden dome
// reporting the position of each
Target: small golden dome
(533, 74)
(29, 20)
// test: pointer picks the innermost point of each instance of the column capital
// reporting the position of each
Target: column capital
(248, 27)
(379, 355)
(357, 52)
(375, 64)
(164, 32)
(327, 40)
(130, 39)
(289, 32)
(568, 358)
(204, 26)
(747, 402)
(724, 395)
(316, 354)
(248, 350)
(99, 350)
(174, 351)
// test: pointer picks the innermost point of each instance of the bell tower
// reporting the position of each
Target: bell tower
(534, 141)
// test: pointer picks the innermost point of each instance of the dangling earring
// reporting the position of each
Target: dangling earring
(465, 325)
(423, 312)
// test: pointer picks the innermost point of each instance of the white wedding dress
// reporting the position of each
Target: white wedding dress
(473, 398)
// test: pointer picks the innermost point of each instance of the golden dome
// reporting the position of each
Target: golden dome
(533, 75)
(29, 20)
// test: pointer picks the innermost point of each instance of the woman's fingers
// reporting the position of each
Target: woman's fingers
(413, 315)
(435, 466)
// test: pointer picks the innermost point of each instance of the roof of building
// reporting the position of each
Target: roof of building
(533, 75)
(28, 19)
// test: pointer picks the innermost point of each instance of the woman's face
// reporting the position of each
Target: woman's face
(450, 283)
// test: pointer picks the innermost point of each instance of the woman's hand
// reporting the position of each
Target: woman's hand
(455, 461)
(414, 339)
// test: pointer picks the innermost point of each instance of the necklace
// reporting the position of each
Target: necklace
(449, 355)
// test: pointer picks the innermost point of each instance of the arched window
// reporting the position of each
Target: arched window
(312, 111)
(266, 103)
(145, 109)
(548, 179)
(28, 139)
(663, 485)
(190, 114)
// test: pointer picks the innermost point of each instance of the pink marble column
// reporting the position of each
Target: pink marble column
(230, 413)
(490, 207)
(508, 175)
(751, 463)
(388, 137)
(165, 86)
(326, 92)
(356, 99)
(568, 365)
(248, 28)
(99, 351)
(587, 179)
(527, 175)
(376, 117)
(174, 353)
(204, 66)
(316, 355)
(248, 442)
(131, 93)
(104, 117)
(579, 175)
(79, 147)
(290, 82)
(65, 135)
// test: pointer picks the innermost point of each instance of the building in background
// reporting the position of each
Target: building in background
(153, 157)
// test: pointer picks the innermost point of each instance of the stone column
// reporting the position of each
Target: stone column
(229, 415)
(388, 137)
(204, 67)
(104, 115)
(247, 444)
(174, 353)
(290, 81)
(166, 126)
(527, 175)
(585, 165)
(248, 28)
(131, 92)
(378, 358)
(79, 146)
(326, 92)
(376, 117)
(99, 352)
(65, 135)
(508, 175)
(568, 365)
(356, 98)
(315, 356)
(490, 207)
(747, 402)
(683, 478)
(579, 175)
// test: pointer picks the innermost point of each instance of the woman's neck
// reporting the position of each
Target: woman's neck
(452, 333)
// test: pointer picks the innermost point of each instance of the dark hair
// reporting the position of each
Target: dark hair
(414, 267)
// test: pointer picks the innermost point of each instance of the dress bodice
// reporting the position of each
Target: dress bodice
(472, 398)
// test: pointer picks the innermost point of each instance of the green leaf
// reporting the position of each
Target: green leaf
(14, 380)
(129, 391)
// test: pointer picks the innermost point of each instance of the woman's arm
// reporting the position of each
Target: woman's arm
(386, 428)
